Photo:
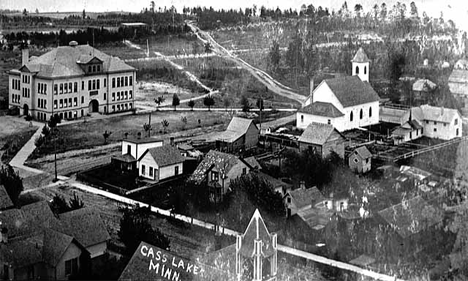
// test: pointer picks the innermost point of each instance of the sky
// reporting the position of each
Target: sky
(457, 10)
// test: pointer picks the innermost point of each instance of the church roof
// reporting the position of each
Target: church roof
(360, 56)
(351, 91)
(256, 230)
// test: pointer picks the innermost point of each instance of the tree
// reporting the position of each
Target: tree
(191, 103)
(135, 227)
(208, 47)
(184, 121)
(12, 182)
(383, 11)
(37, 11)
(175, 101)
(165, 124)
(245, 104)
(226, 102)
(208, 101)
(106, 135)
(59, 205)
(358, 10)
(159, 100)
(25, 12)
(414, 10)
(152, 4)
(147, 128)
(84, 14)
(75, 203)
(260, 104)
(274, 56)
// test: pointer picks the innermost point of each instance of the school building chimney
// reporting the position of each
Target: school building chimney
(24, 53)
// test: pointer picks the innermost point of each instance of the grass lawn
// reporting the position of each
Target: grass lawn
(169, 45)
(90, 134)
(14, 133)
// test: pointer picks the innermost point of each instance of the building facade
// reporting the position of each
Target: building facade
(71, 81)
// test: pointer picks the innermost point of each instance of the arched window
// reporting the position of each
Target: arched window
(351, 116)
(370, 111)
(360, 114)
(357, 69)
(365, 69)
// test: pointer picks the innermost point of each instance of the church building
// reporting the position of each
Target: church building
(345, 102)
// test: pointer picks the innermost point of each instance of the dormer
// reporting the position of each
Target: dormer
(90, 64)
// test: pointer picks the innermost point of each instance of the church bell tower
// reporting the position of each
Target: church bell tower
(360, 65)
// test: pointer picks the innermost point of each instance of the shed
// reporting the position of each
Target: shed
(322, 139)
(359, 160)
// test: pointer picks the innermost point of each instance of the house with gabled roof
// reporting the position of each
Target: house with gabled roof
(218, 169)
(359, 160)
(423, 90)
(345, 102)
(302, 198)
(71, 81)
(5, 200)
(430, 121)
(322, 139)
(241, 133)
(160, 163)
(86, 225)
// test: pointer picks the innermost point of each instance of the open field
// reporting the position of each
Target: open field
(171, 45)
(90, 133)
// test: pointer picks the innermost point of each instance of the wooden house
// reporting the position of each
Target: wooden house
(160, 163)
(131, 151)
(302, 198)
(240, 134)
(359, 160)
(218, 169)
(322, 139)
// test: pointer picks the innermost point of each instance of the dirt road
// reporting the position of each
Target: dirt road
(261, 75)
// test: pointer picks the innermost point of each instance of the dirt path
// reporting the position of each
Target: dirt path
(261, 75)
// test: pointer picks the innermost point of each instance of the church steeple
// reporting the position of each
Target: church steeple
(360, 65)
(256, 251)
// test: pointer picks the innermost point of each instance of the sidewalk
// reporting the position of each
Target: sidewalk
(25, 151)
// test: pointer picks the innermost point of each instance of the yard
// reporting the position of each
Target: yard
(14, 133)
(89, 134)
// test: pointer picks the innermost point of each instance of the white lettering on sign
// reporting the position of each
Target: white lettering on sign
(171, 271)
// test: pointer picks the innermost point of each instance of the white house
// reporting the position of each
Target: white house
(131, 151)
(429, 121)
(344, 102)
(160, 163)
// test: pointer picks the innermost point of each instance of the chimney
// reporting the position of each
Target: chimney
(302, 185)
(24, 53)
(311, 85)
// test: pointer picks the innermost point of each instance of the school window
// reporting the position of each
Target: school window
(75, 101)
(98, 68)
(113, 82)
(105, 96)
(126, 95)
(61, 103)
(94, 84)
(118, 81)
(76, 87)
(82, 100)
(94, 68)
(105, 82)
(98, 82)
(118, 95)
(113, 96)
(55, 104)
(89, 85)
(130, 95)
(70, 102)
(65, 88)
(143, 168)
(61, 88)
(89, 68)
(130, 81)
(113, 108)
(82, 85)
(70, 88)
(126, 81)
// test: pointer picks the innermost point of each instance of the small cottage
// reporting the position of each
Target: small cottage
(423, 91)
(218, 169)
(322, 139)
(160, 163)
(359, 160)
(131, 151)
(241, 133)
(301, 199)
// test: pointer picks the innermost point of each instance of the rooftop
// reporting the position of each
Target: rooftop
(317, 133)
(424, 85)
(363, 152)
(65, 61)
(322, 109)
(5, 200)
(236, 129)
(142, 140)
(222, 162)
(256, 230)
(360, 56)
(303, 197)
(165, 155)
(351, 91)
